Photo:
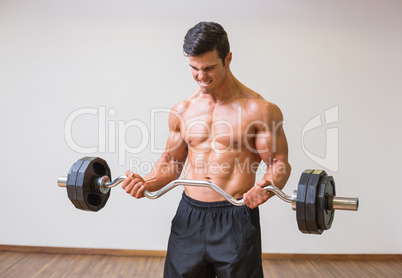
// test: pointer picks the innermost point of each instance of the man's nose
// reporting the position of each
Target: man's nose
(201, 75)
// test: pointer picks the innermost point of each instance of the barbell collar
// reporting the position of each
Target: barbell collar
(294, 199)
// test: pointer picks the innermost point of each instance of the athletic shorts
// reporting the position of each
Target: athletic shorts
(214, 239)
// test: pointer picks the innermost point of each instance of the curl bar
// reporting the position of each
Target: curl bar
(89, 182)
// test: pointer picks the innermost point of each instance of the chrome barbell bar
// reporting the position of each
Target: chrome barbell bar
(104, 184)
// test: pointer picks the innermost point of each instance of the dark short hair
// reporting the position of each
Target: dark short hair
(205, 37)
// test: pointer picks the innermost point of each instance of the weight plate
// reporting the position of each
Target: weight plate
(325, 194)
(301, 200)
(94, 198)
(88, 196)
(71, 182)
(81, 186)
(311, 201)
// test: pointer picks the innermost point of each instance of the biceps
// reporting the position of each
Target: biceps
(272, 147)
(176, 147)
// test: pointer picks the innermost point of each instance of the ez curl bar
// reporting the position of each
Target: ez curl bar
(89, 182)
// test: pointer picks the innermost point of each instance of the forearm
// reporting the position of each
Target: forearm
(278, 174)
(165, 170)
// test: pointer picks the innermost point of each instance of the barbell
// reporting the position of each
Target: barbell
(89, 181)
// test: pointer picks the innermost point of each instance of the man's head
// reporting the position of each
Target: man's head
(205, 37)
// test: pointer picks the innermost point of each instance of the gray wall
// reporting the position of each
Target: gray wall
(334, 61)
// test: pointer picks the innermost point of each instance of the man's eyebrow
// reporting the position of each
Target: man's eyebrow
(206, 68)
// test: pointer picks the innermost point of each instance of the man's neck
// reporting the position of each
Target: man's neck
(229, 89)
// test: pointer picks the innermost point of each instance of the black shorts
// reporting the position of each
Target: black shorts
(210, 239)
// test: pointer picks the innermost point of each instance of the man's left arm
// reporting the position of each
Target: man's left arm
(272, 147)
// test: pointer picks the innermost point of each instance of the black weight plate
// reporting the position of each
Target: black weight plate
(82, 185)
(301, 200)
(94, 199)
(325, 194)
(311, 200)
(71, 182)
(89, 197)
(321, 204)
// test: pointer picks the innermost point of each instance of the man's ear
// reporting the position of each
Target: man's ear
(228, 59)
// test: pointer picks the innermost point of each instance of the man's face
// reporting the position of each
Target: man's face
(208, 70)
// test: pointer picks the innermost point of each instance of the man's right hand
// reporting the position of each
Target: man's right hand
(134, 185)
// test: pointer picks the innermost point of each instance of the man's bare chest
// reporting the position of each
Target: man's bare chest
(219, 128)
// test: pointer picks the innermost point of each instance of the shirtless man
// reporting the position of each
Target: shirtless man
(220, 133)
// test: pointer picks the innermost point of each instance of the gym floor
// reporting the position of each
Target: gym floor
(17, 264)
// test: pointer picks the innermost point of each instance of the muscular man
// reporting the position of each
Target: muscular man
(220, 133)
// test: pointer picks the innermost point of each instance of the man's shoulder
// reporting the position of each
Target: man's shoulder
(181, 106)
(262, 108)
(256, 102)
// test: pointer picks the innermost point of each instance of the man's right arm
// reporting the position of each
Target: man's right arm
(169, 166)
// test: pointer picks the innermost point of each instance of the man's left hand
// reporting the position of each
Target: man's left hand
(257, 195)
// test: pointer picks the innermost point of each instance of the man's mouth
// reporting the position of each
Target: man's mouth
(202, 83)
